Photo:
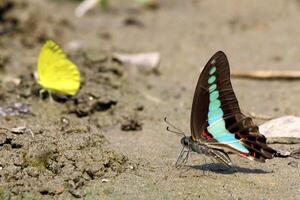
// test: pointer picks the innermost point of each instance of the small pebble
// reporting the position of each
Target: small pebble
(104, 180)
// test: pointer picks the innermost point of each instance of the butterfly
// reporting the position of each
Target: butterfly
(56, 73)
(217, 125)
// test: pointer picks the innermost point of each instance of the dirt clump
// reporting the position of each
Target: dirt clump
(55, 159)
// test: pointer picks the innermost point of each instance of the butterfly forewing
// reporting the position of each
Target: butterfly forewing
(56, 72)
(216, 72)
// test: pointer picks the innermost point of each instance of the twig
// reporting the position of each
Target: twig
(152, 98)
(31, 132)
(272, 74)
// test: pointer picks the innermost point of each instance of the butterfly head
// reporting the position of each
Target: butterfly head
(185, 141)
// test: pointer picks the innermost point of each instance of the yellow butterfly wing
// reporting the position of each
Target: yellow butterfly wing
(56, 72)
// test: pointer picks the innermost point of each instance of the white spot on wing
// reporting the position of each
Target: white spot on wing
(213, 61)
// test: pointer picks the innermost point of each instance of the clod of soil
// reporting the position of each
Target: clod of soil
(56, 161)
(87, 104)
(131, 124)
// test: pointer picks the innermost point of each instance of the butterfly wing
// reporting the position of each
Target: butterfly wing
(56, 72)
(214, 80)
(216, 118)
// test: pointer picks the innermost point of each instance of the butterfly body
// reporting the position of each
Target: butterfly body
(202, 148)
(217, 125)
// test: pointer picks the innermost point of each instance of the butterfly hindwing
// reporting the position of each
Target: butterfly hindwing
(56, 72)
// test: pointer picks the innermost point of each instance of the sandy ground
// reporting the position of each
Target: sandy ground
(91, 157)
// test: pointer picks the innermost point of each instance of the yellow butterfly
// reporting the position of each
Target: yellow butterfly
(56, 73)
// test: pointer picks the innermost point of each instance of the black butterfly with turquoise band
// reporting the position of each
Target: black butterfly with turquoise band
(217, 125)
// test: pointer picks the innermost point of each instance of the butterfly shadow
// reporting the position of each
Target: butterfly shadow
(221, 169)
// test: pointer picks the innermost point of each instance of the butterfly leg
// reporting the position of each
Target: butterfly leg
(186, 157)
(184, 161)
(51, 97)
(234, 169)
(182, 158)
(41, 93)
(179, 157)
(212, 160)
(205, 164)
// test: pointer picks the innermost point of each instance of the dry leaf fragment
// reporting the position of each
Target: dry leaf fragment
(22, 130)
(284, 129)
(145, 61)
(18, 130)
(85, 6)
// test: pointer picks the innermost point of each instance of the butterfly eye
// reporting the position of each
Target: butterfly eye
(185, 141)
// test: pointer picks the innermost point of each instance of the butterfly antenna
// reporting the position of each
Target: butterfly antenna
(178, 131)
(172, 131)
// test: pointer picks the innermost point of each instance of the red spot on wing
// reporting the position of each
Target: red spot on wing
(244, 155)
(254, 153)
(207, 136)
(239, 135)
